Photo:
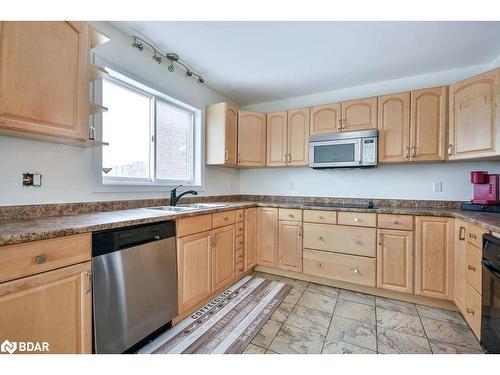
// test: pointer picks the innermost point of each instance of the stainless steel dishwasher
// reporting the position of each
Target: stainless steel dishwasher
(134, 284)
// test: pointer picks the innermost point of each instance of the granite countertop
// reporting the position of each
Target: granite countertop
(14, 231)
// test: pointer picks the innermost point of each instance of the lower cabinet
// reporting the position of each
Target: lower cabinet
(290, 246)
(194, 270)
(267, 237)
(459, 264)
(395, 260)
(250, 238)
(223, 253)
(434, 257)
(472, 309)
(53, 307)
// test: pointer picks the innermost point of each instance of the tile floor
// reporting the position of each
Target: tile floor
(321, 319)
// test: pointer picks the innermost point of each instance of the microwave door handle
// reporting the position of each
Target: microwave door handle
(358, 157)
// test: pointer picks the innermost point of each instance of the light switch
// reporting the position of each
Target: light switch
(437, 186)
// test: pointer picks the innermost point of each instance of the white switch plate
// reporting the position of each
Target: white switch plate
(437, 186)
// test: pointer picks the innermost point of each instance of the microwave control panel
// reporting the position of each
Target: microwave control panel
(369, 151)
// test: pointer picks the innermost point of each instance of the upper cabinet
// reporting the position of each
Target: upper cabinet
(326, 118)
(474, 129)
(251, 139)
(412, 126)
(44, 88)
(359, 114)
(288, 138)
(221, 121)
(394, 127)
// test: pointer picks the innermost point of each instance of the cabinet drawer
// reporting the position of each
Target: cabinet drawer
(193, 224)
(358, 219)
(39, 256)
(473, 266)
(240, 228)
(352, 269)
(240, 241)
(240, 215)
(473, 309)
(400, 222)
(340, 239)
(475, 235)
(239, 255)
(221, 219)
(320, 217)
(239, 268)
(290, 214)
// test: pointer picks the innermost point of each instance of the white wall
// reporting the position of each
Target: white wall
(67, 171)
(386, 181)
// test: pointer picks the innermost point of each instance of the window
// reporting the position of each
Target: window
(152, 137)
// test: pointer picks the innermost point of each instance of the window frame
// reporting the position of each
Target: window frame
(131, 184)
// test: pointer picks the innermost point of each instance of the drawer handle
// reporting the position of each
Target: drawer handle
(470, 311)
(396, 222)
(472, 235)
(356, 219)
(40, 259)
(461, 233)
(355, 270)
(471, 268)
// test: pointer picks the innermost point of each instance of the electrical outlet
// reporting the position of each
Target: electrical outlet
(437, 186)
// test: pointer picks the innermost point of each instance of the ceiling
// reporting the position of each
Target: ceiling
(256, 62)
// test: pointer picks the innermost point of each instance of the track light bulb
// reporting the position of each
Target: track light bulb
(171, 68)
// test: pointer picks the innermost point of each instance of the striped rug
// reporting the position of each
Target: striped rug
(226, 324)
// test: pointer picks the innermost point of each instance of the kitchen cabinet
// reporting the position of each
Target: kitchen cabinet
(326, 118)
(359, 114)
(394, 128)
(474, 123)
(267, 237)
(277, 139)
(44, 91)
(459, 264)
(53, 307)
(221, 126)
(195, 269)
(298, 137)
(429, 113)
(434, 257)
(290, 246)
(250, 238)
(223, 256)
(395, 260)
(251, 139)
(288, 138)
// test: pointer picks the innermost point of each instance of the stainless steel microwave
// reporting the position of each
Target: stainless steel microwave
(341, 150)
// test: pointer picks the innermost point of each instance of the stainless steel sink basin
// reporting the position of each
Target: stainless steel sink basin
(173, 208)
(201, 206)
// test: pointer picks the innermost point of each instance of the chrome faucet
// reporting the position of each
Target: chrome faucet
(174, 198)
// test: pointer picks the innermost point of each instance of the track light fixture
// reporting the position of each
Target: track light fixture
(172, 58)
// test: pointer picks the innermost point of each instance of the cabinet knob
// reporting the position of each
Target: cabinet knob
(321, 217)
(356, 219)
(396, 222)
(226, 218)
(291, 215)
(320, 238)
(40, 259)
(358, 242)
(355, 270)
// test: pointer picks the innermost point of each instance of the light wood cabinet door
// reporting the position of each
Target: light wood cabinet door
(394, 128)
(223, 256)
(359, 114)
(434, 257)
(194, 270)
(221, 138)
(43, 78)
(298, 137)
(277, 144)
(429, 112)
(395, 260)
(250, 237)
(290, 246)
(474, 128)
(459, 264)
(53, 307)
(326, 118)
(267, 237)
(251, 139)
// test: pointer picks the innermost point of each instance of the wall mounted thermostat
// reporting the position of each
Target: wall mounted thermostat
(32, 179)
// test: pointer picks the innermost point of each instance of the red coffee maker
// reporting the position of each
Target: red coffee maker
(486, 187)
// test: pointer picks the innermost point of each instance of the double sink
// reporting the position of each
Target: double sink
(189, 207)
